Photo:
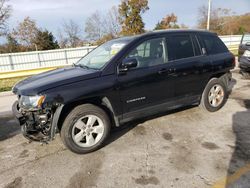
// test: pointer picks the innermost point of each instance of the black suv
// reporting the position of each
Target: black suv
(123, 80)
(244, 54)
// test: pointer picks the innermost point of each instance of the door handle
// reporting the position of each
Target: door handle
(162, 71)
(198, 65)
(167, 71)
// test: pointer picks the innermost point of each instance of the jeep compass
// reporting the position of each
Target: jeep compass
(122, 80)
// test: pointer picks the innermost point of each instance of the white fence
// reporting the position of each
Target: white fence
(40, 59)
(231, 40)
(52, 58)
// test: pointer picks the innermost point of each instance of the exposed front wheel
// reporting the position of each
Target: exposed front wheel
(214, 96)
(85, 129)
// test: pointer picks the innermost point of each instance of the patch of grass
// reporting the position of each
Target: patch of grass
(234, 49)
(235, 52)
(7, 83)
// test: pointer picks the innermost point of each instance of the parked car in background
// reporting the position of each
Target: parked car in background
(122, 80)
(244, 54)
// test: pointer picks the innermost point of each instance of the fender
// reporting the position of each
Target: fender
(103, 102)
(55, 120)
(107, 103)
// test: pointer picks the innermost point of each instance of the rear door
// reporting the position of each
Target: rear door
(191, 67)
(222, 60)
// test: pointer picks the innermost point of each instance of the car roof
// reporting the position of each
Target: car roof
(179, 31)
(166, 31)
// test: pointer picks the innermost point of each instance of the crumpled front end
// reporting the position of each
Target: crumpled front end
(36, 125)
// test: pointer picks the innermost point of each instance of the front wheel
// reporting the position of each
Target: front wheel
(85, 129)
(214, 96)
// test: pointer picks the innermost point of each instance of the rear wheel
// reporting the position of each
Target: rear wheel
(214, 96)
(85, 129)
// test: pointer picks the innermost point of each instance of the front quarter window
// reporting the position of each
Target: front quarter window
(97, 58)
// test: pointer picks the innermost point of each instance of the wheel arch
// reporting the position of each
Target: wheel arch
(221, 75)
(101, 102)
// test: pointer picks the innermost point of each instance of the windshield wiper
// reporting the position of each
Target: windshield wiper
(82, 66)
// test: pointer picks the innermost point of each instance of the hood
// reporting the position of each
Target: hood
(51, 79)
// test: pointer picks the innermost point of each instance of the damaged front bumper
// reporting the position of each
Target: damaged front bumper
(39, 125)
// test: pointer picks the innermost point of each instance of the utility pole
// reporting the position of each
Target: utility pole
(208, 14)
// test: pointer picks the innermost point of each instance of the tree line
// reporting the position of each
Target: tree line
(124, 19)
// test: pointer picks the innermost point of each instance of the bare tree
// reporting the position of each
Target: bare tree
(5, 13)
(94, 26)
(26, 32)
(113, 21)
(220, 18)
(99, 26)
(69, 35)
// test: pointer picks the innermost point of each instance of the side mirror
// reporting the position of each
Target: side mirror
(127, 64)
(248, 44)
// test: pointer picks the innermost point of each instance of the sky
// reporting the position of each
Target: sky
(50, 14)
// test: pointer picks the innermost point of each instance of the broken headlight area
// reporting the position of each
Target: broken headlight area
(37, 125)
(31, 103)
(35, 120)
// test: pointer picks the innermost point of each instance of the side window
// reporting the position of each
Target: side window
(214, 45)
(181, 47)
(150, 53)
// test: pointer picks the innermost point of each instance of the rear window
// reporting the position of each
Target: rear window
(214, 45)
(181, 47)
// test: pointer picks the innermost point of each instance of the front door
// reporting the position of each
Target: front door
(145, 88)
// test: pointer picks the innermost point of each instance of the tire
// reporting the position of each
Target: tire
(207, 103)
(79, 130)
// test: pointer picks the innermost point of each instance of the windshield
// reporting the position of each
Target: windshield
(98, 57)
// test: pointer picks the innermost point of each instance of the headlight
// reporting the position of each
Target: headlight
(246, 53)
(31, 101)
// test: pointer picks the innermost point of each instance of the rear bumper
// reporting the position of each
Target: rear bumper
(228, 81)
